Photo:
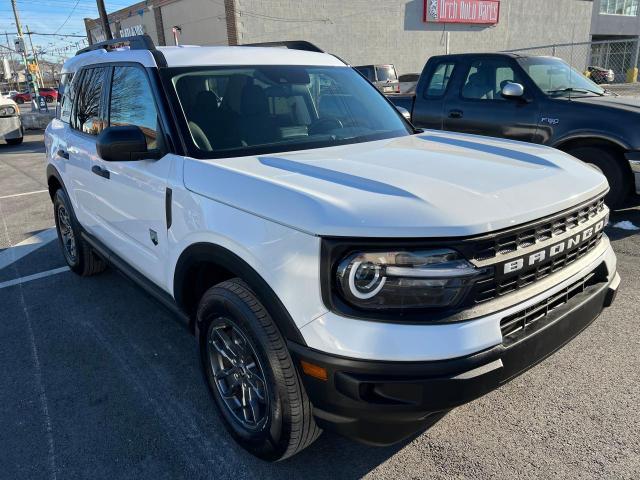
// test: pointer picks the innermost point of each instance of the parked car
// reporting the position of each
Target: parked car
(533, 99)
(50, 94)
(21, 97)
(11, 130)
(408, 82)
(384, 77)
(9, 94)
(339, 269)
(601, 75)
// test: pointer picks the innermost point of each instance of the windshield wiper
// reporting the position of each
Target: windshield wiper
(578, 90)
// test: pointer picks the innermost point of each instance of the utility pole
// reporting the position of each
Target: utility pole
(105, 20)
(33, 88)
(35, 58)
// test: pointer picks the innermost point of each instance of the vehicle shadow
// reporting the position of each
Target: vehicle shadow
(125, 380)
(32, 144)
(625, 222)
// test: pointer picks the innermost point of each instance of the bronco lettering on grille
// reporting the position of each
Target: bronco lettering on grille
(556, 249)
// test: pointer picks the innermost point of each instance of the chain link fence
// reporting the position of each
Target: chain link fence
(620, 56)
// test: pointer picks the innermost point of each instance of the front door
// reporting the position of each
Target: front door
(133, 193)
(478, 107)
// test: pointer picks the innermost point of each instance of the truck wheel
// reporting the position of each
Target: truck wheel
(78, 254)
(255, 385)
(611, 168)
(14, 141)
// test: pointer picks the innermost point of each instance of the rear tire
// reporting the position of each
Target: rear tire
(78, 254)
(284, 422)
(49, 99)
(14, 141)
(19, 101)
(607, 162)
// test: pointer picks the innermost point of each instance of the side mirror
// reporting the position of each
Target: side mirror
(405, 113)
(121, 144)
(512, 90)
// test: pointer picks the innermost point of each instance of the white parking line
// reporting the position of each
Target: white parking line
(35, 276)
(25, 247)
(23, 194)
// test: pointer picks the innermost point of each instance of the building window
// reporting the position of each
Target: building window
(619, 7)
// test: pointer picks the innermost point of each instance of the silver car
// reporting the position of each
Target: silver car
(11, 129)
(384, 77)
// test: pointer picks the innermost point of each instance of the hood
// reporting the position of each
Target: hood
(7, 101)
(435, 184)
(631, 104)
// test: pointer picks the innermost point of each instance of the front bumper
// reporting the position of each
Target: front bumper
(10, 127)
(383, 402)
(634, 163)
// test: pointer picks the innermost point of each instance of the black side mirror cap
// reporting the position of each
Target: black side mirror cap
(124, 143)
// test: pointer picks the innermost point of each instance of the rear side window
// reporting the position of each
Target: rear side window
(439, 81)
(368, 72)
(88, 118)
(66, 92)
(132, 103)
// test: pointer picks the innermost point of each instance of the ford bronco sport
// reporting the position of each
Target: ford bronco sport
(339, 269)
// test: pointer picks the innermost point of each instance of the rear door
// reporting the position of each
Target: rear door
(434, 84)
(87, 121)
(478, 107)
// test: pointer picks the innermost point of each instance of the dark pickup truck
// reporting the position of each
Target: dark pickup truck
(533, 99)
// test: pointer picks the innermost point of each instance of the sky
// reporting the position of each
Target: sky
(64, 17)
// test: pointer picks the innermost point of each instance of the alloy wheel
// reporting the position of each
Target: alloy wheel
(238, 374)
(66, 233)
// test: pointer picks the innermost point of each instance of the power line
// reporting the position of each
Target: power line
(67, 19)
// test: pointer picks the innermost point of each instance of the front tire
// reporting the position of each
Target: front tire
(78, 254)
(255, 385)
(49, 99)
(606, 161)
(19, 101)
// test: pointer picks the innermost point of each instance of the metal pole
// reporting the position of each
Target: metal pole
(105, 20)
(15, 82)
(32, 84)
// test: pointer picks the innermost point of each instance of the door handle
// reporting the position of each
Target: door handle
(103, 172)
(456, 114)
(63, 154)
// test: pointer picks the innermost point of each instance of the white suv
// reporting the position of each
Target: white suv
(339, 268)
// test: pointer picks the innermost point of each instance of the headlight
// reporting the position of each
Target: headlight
(405, 279)
(7, 111)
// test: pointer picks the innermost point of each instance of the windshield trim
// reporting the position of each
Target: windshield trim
(192, 150)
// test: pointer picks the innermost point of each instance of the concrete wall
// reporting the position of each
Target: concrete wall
(613, 25)
(203, 22)
(392, 31)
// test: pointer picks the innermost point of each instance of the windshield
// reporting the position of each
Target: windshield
(555, 77)
(386, 73)
(236, 111)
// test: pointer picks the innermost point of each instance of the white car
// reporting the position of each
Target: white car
(11, 130)
(340, 269)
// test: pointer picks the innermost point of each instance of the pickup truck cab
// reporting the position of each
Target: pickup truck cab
(339, 270)
(533, 99)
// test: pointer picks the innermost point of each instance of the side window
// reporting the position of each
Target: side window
(439, 81)
(66, 93)
(132, 103)
(87, 117)
(486, 78)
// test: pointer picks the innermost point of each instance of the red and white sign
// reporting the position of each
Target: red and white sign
(483, 12)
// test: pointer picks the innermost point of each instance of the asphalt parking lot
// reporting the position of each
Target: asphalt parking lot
(99, 381)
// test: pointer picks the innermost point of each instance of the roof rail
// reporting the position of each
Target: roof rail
(136, 42)
(290, 44)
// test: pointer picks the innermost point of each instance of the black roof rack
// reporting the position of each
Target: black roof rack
(136, 42)
(290, 44)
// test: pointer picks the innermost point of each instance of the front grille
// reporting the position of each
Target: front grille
(520, 324)
(526, 237)
(490, 288)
